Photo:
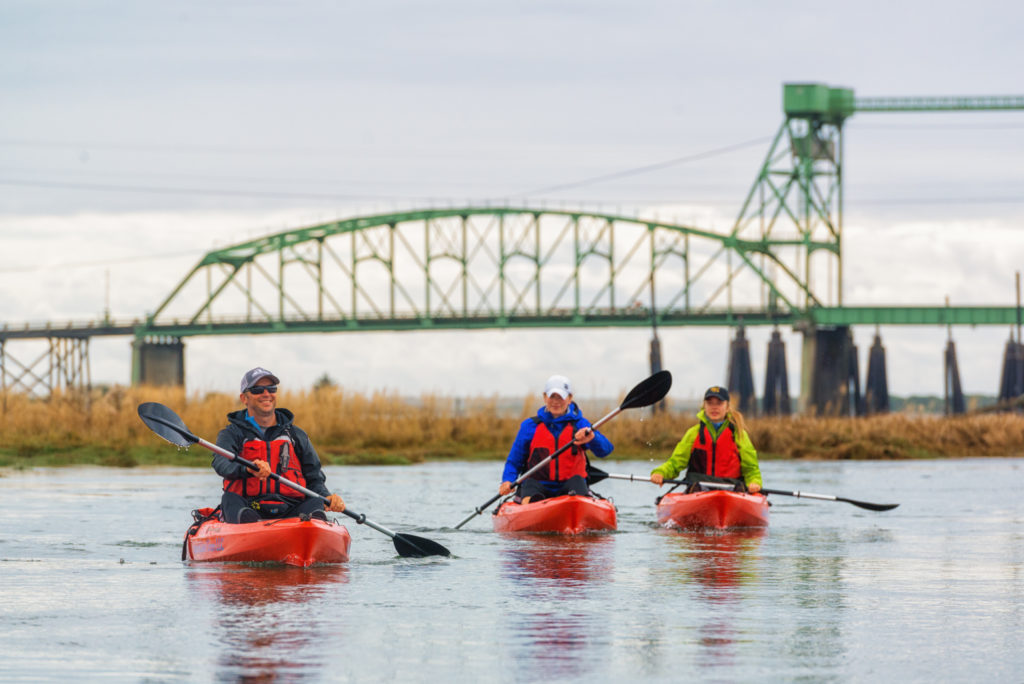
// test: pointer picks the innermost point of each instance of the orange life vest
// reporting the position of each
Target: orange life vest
(716, 457)
(280, 454)
(570, 462)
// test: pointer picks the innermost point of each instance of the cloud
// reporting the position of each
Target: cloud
(137, 137)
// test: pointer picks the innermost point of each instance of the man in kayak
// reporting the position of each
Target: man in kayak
(556, 424)
(265, 435)
(716, 449)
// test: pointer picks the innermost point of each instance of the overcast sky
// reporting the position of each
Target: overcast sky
(137, 136)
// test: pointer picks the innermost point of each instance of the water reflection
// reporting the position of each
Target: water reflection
(815, 599)
(720, 565)
(267, 630)
(554, 579)
(565, 561)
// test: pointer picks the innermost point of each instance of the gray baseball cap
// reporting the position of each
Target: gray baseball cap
(255, 375)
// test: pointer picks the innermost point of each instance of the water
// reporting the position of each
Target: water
(93, 588)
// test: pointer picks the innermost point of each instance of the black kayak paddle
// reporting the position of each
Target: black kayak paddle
(650, 391)
(166, 423)
(596, 475)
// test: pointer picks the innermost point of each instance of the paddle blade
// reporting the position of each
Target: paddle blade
(411, 546)
(828, 497)
(868, 505)
(166, 423)
(595, 475)
(650, 391)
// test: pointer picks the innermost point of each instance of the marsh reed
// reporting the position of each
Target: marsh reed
(348, 427)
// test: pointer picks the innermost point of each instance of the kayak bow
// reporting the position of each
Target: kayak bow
(290, 541)
(718, 509)
(560, 514)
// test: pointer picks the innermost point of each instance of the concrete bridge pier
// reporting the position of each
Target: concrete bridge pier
(830, 384)
(876, 387)
(1011, 382)
(953, 393)
(656, 367)
(740, 375)
(158, 361)
(776, 401)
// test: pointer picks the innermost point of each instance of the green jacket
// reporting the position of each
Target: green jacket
(680, 457)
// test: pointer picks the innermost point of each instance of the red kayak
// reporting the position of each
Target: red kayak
(715, 509)
(286, 540)
(560, 514)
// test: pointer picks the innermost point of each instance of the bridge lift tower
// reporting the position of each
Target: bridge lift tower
(799, 192)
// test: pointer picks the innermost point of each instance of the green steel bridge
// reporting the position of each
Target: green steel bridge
(476, 267)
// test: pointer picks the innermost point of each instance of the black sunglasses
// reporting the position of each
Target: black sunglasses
(260, 389)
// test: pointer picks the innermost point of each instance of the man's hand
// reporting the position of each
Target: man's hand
(262, 469)
(505, 488)
(753, 488)
(335, 504)
(657, 478)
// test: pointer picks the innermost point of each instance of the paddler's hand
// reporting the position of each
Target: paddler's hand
(753, 488)
(505, 488)
(335, 504)
(262, 469)
(583, 435)
(657, 478)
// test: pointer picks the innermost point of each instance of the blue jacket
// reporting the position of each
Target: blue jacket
(515, 465)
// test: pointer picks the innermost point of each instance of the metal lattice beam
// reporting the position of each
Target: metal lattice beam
(61, 364)
(497, 265)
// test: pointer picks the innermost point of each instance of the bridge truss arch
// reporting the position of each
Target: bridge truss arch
(487, 267)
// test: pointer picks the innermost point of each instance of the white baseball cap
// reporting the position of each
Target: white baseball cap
(558, 384)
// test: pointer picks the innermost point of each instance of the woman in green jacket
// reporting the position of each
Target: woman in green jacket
(717, 448)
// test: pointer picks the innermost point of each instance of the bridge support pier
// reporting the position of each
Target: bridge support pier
(655, 368)
(740, 374)
(830, 384)
(158, 361)
(953, 393)
(1011, 382)
(876, 387)
(776, 400)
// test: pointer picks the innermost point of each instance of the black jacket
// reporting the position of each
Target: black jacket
(240, 430)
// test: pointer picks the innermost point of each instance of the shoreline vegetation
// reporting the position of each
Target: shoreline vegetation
(348, 428)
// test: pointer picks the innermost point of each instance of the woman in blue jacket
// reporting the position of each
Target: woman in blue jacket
(556, 424)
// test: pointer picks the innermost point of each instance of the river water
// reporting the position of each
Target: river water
(93, 586)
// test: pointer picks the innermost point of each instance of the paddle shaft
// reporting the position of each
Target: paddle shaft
(640, 478)
(358, 517)
(805, 495)
(543, 462)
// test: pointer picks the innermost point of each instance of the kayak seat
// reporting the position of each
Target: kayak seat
(248, 515)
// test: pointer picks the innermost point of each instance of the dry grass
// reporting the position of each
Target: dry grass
(890, 436)
(381, 428)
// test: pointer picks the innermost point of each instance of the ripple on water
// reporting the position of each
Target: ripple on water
(822, 595)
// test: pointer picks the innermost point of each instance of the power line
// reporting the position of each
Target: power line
(190, 191)
(650, 167)
(852, 200)
(247, 150)
(100, 262)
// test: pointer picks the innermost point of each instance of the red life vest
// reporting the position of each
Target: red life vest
(570, 462)
(280, 454)
(716, 457)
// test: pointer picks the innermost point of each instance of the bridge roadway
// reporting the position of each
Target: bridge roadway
(821, 317)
